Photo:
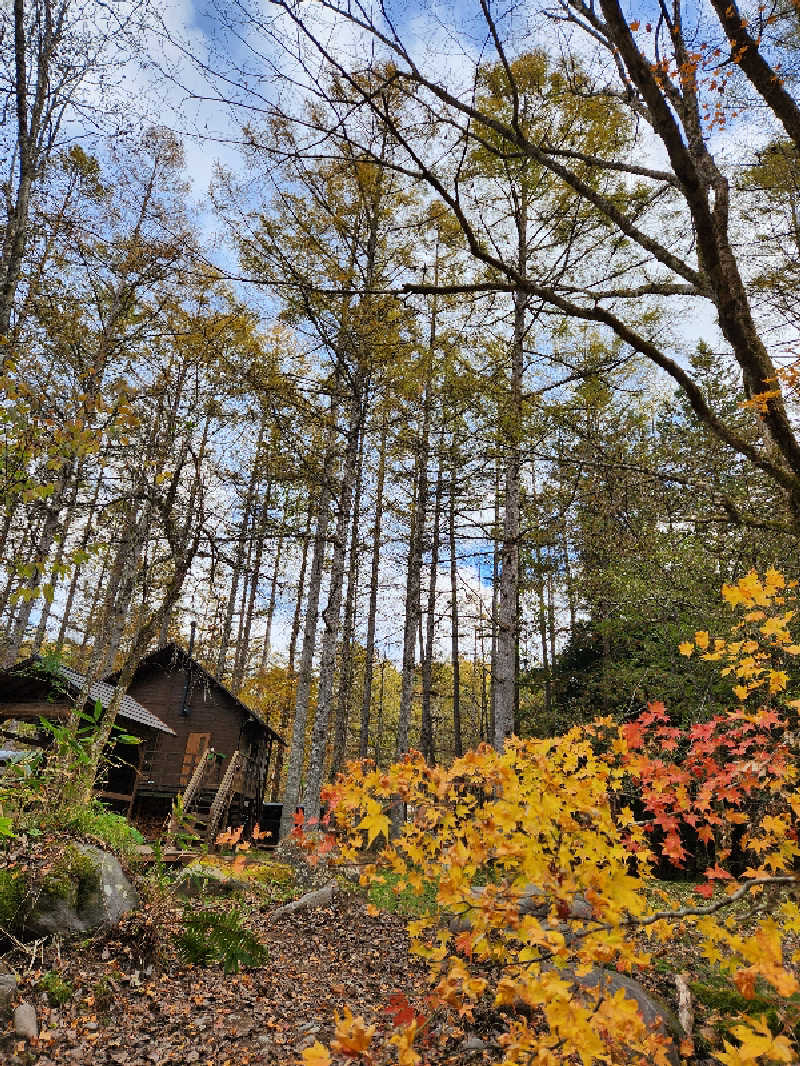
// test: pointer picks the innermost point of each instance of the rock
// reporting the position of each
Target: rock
(8, 989)
(321, 898)
(87, 889)
(711, 1036)
(472, 1042)
(533, 900)
(25, 1025)
(652, 1008)
(205, 879)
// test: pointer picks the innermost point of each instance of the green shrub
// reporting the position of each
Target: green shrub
(58, 990)
(210, 937)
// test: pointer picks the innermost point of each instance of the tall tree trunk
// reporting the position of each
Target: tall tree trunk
(369, 651)
(5, 529)
(543, 636)
(290, 672)
(73, 584)
(413, 606)
(260, 534)
(241, 612)
(294, 768)
(507, 611)
(454, 635)
(69, 518)
(16, 224)
(273, 593)
(426, 739)
(571, 597)
(346, 665)
(495, 596)
(44, 544)
(331, 614)
(379, 729)
(239, 557)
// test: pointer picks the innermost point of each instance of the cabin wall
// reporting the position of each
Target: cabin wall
(167, 763)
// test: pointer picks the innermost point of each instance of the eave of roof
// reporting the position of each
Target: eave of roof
(176, 650)
(129, 707)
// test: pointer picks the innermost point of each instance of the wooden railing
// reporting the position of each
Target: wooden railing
(248, 777)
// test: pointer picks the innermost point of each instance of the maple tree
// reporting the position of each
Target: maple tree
(549, 817)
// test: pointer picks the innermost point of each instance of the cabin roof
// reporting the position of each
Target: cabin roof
(129, 708)
(169, 655)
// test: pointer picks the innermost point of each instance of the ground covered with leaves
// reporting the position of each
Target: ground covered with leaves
(130, 997)
(162, 989)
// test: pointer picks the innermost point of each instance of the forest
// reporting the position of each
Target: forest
(412, 391)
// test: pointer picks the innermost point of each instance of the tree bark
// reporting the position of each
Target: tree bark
(260, 533)
(290, 671)
(413, 606)
(294, 769)
(454, 634)
(73, 585)
(346, 663)
(427, 737)
(239, 558)
(507, 611)
(331, 614)
(495, 596)
(44, 544)
(369, 651)
(69, 518)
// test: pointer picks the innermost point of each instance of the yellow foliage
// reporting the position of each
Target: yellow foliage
(545, 819)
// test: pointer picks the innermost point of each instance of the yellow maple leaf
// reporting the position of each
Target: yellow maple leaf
(353, 1035)
(374, 821)
(701, 639)
(686, 648)
(778, 681)
(316, 1055)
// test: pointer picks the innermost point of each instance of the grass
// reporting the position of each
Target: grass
(393, 895)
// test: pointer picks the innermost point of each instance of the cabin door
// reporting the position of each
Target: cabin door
(196, 746)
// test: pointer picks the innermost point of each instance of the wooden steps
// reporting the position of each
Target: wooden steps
(202, 811)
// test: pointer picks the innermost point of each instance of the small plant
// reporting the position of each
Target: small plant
(12, 896)
(58, 990)
(102, 994)
(210, 937)
(106, 827)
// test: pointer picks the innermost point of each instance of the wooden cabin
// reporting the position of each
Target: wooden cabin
(203, 717)
(33, 690)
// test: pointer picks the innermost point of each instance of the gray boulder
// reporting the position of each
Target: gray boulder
(8, 989)
(87, 889)
(534, 901)
(655, 1013)
(200, 879)
(25, 1025)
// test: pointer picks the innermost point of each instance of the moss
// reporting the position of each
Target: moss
(719, 996)
(271, 872)
(74, 878)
